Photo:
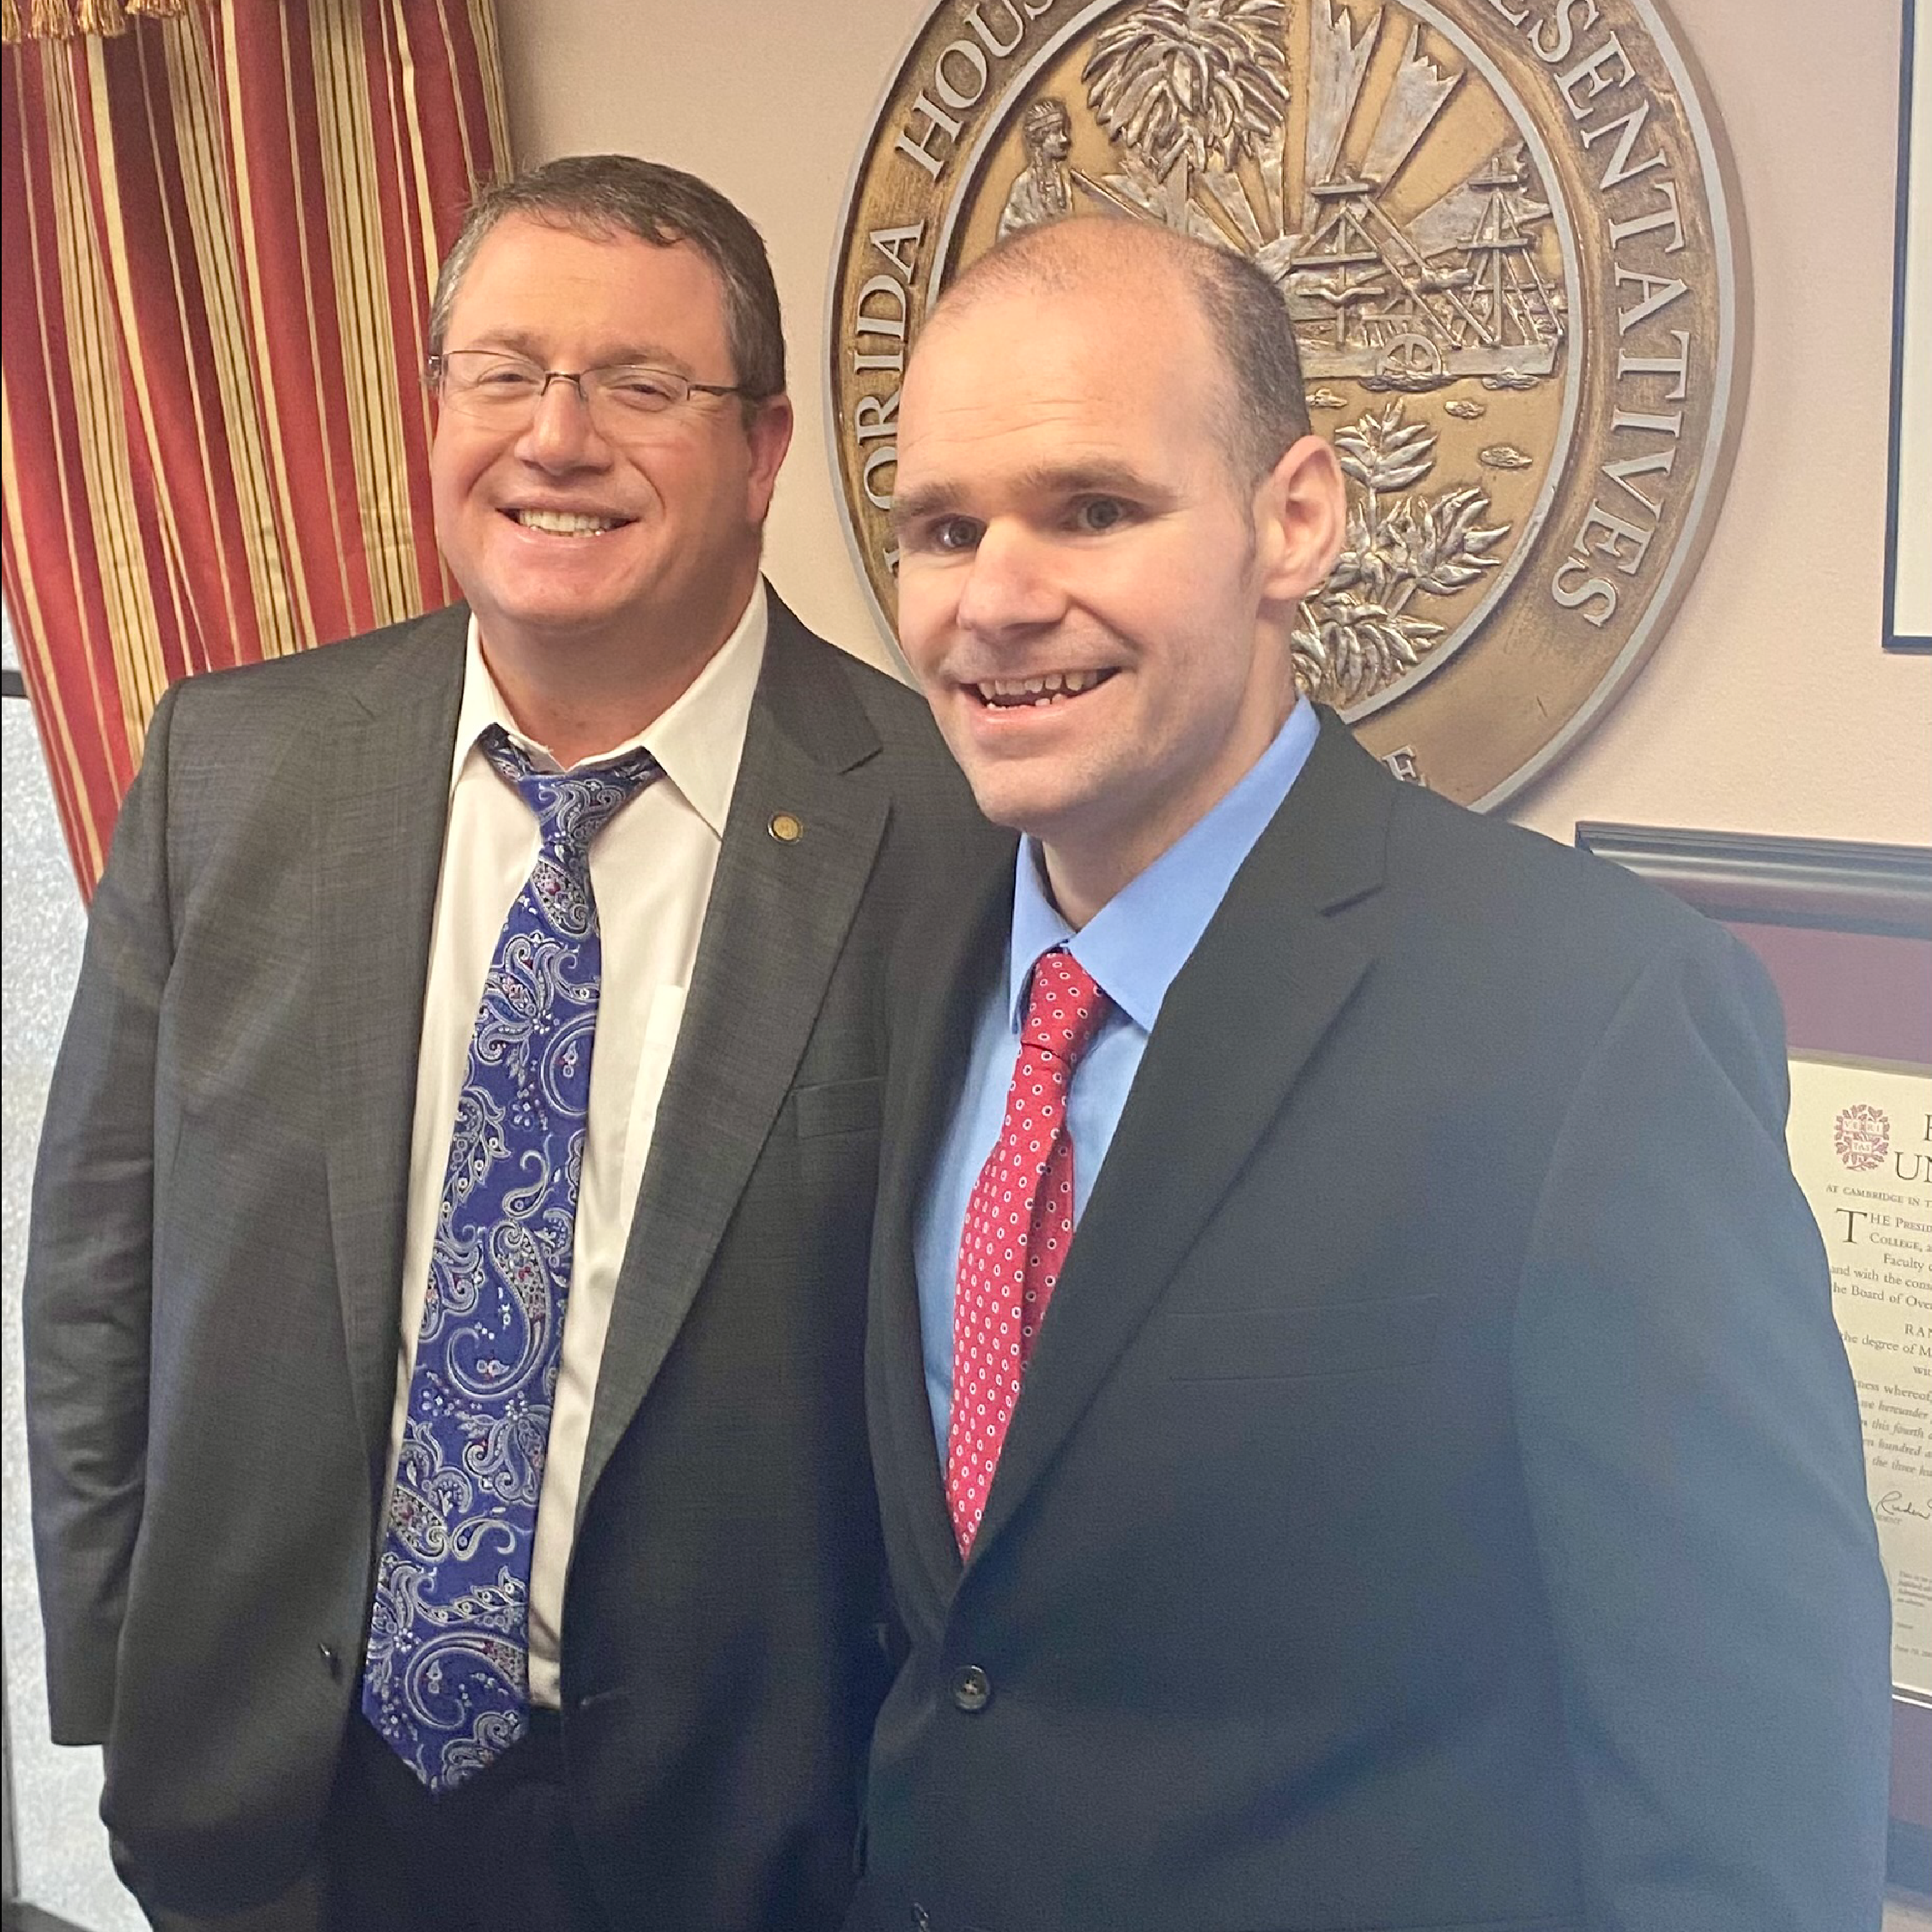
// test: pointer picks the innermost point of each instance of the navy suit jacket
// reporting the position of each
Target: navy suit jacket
(1436, 1497)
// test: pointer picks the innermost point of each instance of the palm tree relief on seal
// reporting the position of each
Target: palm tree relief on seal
(1499, 231)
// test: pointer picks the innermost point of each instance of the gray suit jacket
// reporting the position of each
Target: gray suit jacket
(213, 1285)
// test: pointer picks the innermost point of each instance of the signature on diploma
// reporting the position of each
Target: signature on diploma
(1895, 1504)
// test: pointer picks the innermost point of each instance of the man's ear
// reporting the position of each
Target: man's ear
(1301, 515)
(770, 434)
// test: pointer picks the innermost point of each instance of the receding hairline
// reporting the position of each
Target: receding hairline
(1063, 261)
(1095, 256)
(1058, 258)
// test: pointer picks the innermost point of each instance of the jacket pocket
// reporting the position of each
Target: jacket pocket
(836, 1107)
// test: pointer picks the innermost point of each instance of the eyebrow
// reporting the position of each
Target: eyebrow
(519, 342)
(1098, 477)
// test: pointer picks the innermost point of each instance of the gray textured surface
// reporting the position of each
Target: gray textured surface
(62, 1847)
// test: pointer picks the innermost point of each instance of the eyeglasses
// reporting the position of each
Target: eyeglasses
(502, 390)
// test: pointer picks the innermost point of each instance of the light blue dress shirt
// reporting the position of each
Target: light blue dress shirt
(1132, 946)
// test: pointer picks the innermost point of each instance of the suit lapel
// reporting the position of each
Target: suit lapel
(380, 814)
(932, 1039)
(777, 919)
(1273, 972)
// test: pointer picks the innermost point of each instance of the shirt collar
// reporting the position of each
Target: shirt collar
(698, 740)
(1136, 943)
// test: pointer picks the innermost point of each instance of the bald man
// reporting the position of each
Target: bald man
(1361, 1434)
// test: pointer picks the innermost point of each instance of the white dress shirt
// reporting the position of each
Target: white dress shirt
(651, 870)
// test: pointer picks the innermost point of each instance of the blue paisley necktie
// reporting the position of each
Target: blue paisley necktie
(445, 1680)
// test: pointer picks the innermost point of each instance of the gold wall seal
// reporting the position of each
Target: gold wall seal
(1503, 231)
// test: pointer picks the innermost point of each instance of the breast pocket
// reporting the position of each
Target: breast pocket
(836, 1107)
(1281, 1344)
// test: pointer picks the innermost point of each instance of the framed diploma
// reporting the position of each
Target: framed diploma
(1861, 1138)
(1845, 932)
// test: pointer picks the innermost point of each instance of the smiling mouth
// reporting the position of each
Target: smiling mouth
(565, 523)
(1051, 687)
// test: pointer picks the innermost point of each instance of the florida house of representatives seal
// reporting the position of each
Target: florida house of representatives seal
(1503, 232)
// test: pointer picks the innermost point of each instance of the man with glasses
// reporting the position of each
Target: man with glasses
(446, 1283)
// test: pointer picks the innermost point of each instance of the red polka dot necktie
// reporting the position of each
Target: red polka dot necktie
(1019, 1224)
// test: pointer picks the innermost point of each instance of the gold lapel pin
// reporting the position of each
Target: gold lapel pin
(786, 827)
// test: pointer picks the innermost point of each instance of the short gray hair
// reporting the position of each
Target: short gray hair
(606, 195)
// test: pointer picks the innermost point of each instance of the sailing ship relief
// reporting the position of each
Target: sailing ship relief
(1454, 290)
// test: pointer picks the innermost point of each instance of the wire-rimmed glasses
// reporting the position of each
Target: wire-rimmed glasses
(502, 389)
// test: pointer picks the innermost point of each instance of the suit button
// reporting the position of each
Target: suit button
(330, 1661)
(972, 1690)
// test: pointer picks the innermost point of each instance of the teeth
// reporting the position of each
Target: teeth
(565, 523)
(1041, 689)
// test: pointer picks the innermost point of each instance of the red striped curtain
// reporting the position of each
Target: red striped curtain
(221, 233)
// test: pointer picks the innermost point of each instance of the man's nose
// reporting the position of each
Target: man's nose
(1011, 584)
(561, 432)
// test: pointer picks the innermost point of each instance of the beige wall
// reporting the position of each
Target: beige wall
(1768, 706)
